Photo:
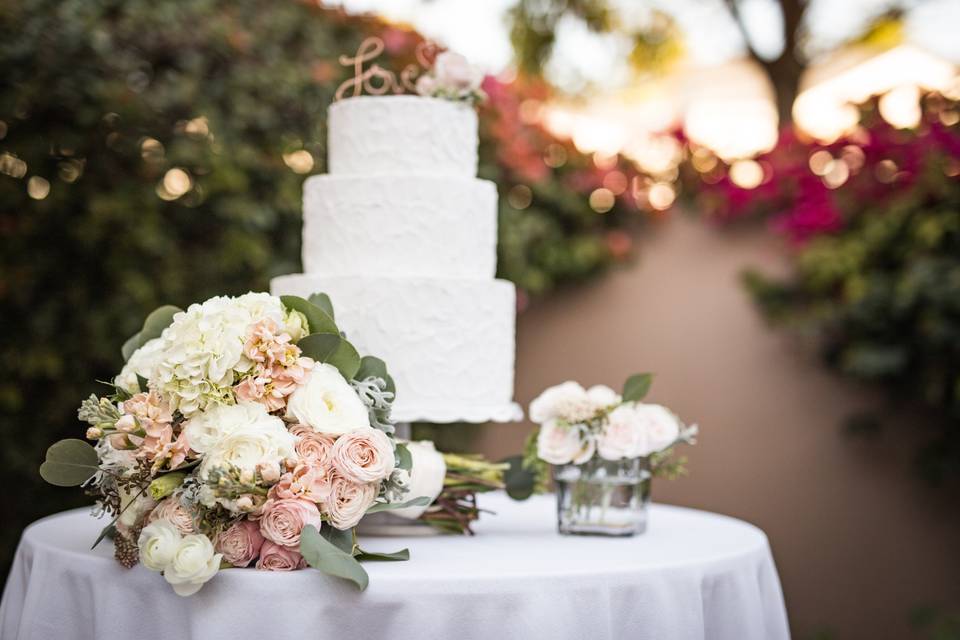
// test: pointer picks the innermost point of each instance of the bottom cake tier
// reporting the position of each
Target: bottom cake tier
(449, 343)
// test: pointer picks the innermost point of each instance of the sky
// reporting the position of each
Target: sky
(478, 29)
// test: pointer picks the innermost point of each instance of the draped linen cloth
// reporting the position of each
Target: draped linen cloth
(692, 576)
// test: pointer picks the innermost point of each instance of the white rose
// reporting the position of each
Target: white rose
(453, 71)
(244, 448)
(193, 564)
(141, 363)
(635, 430)
(603, 396)
(158, 543)
(568, 401)
(206, 429)
(327, 403)
(425, 477)
(562, 444)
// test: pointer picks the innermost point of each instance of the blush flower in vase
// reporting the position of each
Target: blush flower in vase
(605, 449)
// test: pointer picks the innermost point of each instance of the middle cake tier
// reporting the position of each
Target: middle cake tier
(400, 226)
(449, 343)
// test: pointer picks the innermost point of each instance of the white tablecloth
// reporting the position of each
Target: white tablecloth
(693, 575)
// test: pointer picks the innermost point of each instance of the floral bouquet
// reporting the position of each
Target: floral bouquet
(605, 447)
(242, 431)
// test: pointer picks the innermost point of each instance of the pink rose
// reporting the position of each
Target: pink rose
(241, 543)
(348, 502)
(281, 521)
(171, 509)
(275, 557)
(363, 455)
(311, 447)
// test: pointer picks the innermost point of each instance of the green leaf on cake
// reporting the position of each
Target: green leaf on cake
(404, 459)
(422, 501)
(325, 556)
(372, 367)
(69, 463)
(636, 387)
(319, 321)
(322, 300)
(158, 320)
(332, 349)
(396, 556)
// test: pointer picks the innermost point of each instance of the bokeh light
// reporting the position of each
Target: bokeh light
(520, 196)
(300, 161)
(746, 174)
(602, 200)
(38, 188)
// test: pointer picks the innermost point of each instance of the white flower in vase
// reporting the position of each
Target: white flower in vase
(560, 443)
(636, 430)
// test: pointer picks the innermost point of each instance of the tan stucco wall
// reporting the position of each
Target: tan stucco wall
(857, 538)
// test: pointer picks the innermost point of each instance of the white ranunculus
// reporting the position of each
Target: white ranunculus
(564, 444)
(203, 350)
(567, 401)
(603, 396)
(453, 71)
(194, 562)
(158, 543)
(206, 429)
(327, 403)
(634, 430)
(425, 477)
(265, 441)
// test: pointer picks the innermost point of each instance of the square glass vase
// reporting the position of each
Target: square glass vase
(603, 497)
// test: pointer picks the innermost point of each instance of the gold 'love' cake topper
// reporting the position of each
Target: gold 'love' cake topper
(377, 81)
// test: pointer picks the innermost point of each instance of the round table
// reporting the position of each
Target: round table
(692, 575)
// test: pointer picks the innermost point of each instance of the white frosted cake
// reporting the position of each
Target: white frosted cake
(402, 235)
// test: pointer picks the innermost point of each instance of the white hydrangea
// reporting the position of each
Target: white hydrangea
(203, 350)
(142, 362)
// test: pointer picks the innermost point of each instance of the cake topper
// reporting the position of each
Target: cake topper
(437, 73)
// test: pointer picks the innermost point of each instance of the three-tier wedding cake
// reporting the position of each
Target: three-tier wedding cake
(402, 235)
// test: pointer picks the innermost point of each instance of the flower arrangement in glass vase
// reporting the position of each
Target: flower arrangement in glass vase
(244, 431)
(605, 448)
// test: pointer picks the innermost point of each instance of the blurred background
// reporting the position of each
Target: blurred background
(758, 200)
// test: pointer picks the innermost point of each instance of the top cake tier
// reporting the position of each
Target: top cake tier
(402, 134)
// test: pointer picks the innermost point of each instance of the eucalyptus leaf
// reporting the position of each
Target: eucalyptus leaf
(332, 349)
(323, 301)
(396, 556)
(132, 344)
(158, 320)
(340, 538)
(637, 386)
(520, 482)
(319, 321)
(422, 501)
(69, 463)
(404, 459)
(325, 556)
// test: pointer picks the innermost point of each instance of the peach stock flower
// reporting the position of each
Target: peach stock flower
(309, 482)
(275, 557)
(241, 543)
(363, 455)
(281, 521)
